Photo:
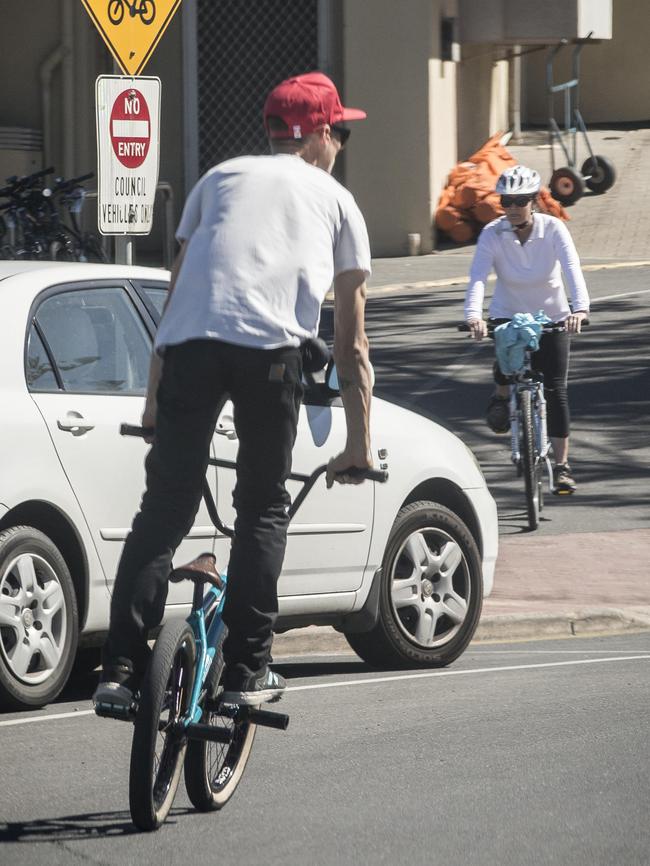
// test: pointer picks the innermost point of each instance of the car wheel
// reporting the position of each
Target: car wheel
(38, 619)
(431, 591)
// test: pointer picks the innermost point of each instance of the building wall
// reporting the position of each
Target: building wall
(614, 76)
(396, 159)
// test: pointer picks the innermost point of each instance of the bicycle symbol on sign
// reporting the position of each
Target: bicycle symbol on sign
(146, 9)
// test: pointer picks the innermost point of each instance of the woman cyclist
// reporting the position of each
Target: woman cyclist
(529, 252)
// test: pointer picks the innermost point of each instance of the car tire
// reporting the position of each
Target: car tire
(431, 591)
(38, 619)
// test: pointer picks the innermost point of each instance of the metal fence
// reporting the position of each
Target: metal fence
(245, 47)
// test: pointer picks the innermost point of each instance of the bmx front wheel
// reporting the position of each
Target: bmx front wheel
(529, 464)
(158, 749)
(213, 770)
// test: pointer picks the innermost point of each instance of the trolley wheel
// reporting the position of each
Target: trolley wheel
(531, 467)
(566, 185)
(158, 750)
(599, 173)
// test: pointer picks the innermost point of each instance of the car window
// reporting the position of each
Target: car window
(97, 340)
(39, 373)
(157, 297)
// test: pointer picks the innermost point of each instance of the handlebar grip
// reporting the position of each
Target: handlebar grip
(133, 430)
(462, 327)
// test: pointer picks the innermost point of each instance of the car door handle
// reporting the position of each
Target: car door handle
(226, 427)
(74, 422)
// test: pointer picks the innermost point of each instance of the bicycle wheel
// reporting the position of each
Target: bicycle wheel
(147, 11)
(158, 750)
(528, 461)
(115, 11)
(213, 770)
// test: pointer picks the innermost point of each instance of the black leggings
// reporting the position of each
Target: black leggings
(552, 360)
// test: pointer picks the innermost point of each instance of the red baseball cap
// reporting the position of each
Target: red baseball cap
(306, 102)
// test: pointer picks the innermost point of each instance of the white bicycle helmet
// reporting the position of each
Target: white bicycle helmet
(519, 180)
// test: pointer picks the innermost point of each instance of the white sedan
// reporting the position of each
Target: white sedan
(400, 568)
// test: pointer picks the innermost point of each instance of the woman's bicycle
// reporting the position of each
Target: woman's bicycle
(529, 440)
(180, 721)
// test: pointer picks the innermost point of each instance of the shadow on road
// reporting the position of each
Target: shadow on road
(69, 827)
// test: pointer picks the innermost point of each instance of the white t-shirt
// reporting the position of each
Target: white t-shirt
(529, 275)
(266, 235)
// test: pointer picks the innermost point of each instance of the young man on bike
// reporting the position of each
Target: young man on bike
(263, 238)
(529, 252)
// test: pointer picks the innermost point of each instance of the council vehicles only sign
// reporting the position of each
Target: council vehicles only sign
(128, 146)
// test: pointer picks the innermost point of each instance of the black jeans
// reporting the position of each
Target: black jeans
(265, 387)
(552, 360)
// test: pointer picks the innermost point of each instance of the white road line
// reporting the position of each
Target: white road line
(48, 718)
(540, 652)
(433, 674)
(620, 295)
(375, 680)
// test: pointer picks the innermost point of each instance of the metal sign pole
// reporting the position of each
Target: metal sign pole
(123, 245)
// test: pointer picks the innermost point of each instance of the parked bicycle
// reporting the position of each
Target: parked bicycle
(43, 223)
(179, 718)
(529, 440)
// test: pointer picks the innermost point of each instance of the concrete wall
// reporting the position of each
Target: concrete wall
(482, 102)
(395, 162)
(614, 76)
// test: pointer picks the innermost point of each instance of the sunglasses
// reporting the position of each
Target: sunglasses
(516, 200)
(341, 133)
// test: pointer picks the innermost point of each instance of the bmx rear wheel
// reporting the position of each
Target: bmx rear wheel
(158, 750)
(213, 770)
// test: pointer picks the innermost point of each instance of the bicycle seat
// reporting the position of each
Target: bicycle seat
(201, 569)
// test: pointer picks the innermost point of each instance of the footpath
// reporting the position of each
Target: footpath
(604, 584)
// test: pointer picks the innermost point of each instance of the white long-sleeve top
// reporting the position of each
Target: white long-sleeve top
(529, 275)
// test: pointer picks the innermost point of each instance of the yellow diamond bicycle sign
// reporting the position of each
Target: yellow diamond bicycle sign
(131, 28)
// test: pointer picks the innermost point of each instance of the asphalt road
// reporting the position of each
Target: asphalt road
(422, 361)
(529, 753)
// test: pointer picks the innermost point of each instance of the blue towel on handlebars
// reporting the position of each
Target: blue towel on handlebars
(514, 337)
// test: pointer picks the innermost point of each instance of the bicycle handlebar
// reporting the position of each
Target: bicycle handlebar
(549, 327)
(308, 481)
(63, 185)
(16, 184)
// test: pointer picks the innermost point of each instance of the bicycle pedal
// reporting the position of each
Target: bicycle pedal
(116, 711)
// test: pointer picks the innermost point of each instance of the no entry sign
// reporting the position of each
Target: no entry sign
(130, 128)
(128, 144)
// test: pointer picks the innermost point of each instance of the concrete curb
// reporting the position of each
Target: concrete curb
(323, 640)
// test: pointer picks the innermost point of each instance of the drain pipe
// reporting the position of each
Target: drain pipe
(67, 14)
(46, 70)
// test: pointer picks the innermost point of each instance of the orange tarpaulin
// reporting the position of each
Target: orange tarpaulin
(469, 201)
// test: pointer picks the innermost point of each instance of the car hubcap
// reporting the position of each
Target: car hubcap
(33, 619)
(430, 587)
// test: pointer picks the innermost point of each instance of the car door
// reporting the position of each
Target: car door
(329, 538)
(99, 344)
